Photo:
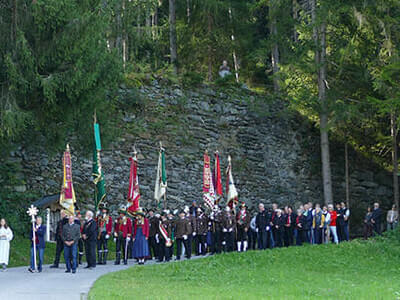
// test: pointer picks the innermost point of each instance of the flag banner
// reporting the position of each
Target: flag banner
(231, 192)
(97, 136)
(97, 172)
(217, 176)
(67, 195)
(161, 179)
(133, 192)
(208, 186)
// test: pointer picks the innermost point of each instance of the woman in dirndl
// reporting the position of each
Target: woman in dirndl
(140, 237)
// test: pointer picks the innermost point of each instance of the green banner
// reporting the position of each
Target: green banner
(97, 172)
(163, 172)
(97, 136)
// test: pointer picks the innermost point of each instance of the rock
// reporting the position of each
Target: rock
(209, 92)
(127, 119)
(44, 161)
(51, 183)
(275, 157)
(369, 184)
(20, 188)
(178, 92)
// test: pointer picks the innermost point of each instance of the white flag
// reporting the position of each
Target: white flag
(161, 179)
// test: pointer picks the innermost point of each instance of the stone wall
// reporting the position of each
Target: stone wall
(275, 154)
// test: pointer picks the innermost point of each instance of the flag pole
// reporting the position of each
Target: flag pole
(165, 194)
(32, 212)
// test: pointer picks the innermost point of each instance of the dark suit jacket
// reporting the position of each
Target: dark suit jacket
(90, 229)
(262, 220)
(40, 233)
(376, 215)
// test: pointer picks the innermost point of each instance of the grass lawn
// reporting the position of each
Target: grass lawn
(354, 270)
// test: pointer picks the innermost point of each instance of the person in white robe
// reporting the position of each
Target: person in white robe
(6, 236)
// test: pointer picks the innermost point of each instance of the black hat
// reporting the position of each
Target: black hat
(105, 207)
(139, 212)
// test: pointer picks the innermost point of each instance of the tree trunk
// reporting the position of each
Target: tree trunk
(295, 9)
(118, 40)
(235, 61)
(393, 131)
(124, 46)
(172, 35)
(209, 74)
(13, 32)
(319, 34)
(188, 11)
(154, 23)
(138, 25)
(347, 177)
(275, 49)
(148, 22)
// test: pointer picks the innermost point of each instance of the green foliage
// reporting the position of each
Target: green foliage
(57, 71)
(13, 205)
(61, 59)
(192, 79)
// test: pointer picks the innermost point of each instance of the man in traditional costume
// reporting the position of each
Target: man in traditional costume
(216, 230)
(165, 234)
(192, 232)
(104, 225)
(122, 234)
(228, 228)
(182, 229)
(243, 224)
(153, 223)
(201, 232)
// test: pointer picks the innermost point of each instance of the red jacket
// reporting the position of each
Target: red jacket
(121, 228)
(145, 228)
(333, 218)
(108, 222)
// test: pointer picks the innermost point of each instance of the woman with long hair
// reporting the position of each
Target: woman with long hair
(6, 236)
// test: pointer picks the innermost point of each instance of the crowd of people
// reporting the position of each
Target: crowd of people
(161, 236)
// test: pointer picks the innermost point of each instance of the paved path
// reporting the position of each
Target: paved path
(18, 283)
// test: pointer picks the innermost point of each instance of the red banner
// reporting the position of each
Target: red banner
(67, 195)
(133, 192)
(206, 174)
(217, 176)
